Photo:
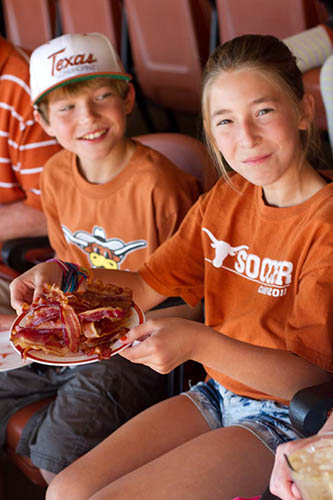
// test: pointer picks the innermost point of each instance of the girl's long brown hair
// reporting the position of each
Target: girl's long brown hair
(270, 56)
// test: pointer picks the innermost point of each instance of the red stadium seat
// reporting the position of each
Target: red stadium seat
(29, 23)
(170, 44)
(282, 19)
(86, 16)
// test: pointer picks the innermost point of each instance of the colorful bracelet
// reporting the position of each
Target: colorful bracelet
(74, 276)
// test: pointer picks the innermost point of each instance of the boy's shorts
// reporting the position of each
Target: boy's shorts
(91, 402)
(266, 419)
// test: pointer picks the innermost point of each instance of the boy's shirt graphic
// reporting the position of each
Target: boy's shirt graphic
(102, 252)
(118, 224)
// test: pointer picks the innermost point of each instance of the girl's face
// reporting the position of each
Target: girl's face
(256, 127)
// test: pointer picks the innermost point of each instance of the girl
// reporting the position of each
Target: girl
(259, 249)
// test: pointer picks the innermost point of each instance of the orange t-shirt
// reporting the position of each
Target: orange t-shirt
(116, 225)
(266, 273)
(24, 146)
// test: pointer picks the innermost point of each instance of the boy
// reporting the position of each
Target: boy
(109, 202)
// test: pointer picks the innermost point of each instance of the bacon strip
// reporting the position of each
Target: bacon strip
(49, 342)
(113, 313)
(43, 314)
(71, 328)
(89, 321)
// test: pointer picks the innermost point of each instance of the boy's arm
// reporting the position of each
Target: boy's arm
(49, 185)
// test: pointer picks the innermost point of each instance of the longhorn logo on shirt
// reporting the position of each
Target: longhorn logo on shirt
(266, 271)
(102, 252)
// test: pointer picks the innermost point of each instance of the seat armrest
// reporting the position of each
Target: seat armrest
(309, 408)
(14, 252)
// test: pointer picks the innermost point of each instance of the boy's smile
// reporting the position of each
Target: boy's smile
(94, 136)
(91, 124)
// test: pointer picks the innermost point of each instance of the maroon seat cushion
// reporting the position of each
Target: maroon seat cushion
(15, 427)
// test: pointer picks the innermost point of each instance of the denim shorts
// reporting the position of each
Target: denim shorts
(266, 419)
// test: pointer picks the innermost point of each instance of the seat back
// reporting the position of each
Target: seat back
(14, 430)
(282, 19)
(85, 16)
(186, 152)
(169, 44)
(29, 23)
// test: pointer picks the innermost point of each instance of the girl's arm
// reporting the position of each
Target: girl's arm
(169, 343)
(271, 371)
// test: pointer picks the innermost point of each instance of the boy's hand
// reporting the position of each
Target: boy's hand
(164, 343)
(29, 286)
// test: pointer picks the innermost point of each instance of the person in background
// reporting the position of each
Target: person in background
(109, 203)
(281, 483)
(24, 149)
(314, 48)
(258, 248)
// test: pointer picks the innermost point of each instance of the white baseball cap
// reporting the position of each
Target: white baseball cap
(73, 57)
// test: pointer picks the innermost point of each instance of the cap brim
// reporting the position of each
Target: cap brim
(88, 76)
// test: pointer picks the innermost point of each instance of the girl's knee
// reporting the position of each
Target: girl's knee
(62, 486)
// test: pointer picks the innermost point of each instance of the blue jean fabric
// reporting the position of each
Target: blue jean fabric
(266, 419)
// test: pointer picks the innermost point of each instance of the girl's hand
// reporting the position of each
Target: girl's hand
(29, 286)
(165, 343)
(281, 483)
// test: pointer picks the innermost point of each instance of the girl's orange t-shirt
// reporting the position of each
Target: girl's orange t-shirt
(265, 273)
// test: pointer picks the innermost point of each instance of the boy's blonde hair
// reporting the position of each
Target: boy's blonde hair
(270, 56)
(74, 88)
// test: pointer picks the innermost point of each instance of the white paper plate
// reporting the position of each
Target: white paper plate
(9, 359)
(79, 358)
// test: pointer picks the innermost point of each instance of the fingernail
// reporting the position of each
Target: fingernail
(124, 338)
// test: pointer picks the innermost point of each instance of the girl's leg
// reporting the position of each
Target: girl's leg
(218, 465)
(326, 86)
(142, 439)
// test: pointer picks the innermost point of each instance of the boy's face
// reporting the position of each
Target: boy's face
(90, 123)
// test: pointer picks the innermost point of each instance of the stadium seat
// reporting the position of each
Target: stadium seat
(29, 24)
(86, 16)
(169, 45)
(281, 19)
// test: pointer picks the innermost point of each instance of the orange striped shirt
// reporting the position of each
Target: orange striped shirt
(24, 146)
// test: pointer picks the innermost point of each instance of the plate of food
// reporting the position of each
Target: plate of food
(64, 329)
(9, 359)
